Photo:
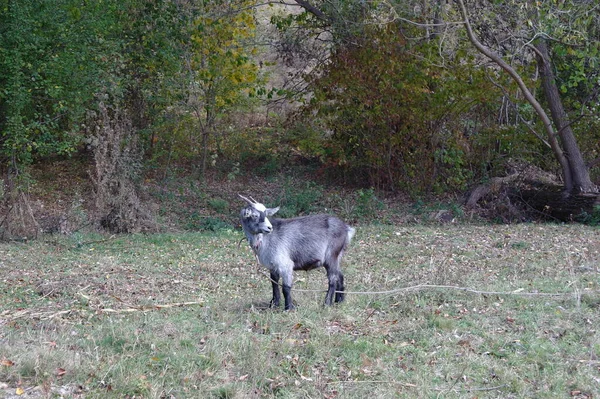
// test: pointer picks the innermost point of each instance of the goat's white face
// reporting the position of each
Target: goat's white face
(255, 217)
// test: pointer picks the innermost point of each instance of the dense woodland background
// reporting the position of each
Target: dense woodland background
(120, 114)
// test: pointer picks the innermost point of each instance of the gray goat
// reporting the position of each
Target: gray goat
(303, 243)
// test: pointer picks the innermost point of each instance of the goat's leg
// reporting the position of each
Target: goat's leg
(339, 296)
(276, 295)
(287, 291)
(334, 282)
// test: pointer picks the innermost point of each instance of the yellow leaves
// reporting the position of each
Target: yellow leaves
(220, 102)
(222, 54)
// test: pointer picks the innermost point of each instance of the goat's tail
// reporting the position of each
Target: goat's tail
(349, 234)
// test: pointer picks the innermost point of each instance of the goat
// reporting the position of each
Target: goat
(302, 243)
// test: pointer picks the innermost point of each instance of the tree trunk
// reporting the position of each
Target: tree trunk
(551, 202)
(438, 17)
(539, 110)
(205, 135)
(574, 170)
(580, 181)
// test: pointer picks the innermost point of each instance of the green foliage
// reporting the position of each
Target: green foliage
(218, 205)
(58, 56)
(395, 116)
(213, 224)
(308, 138)
(576, 57)
(422, 117)
(592, 219)
(196, 221)
(40, 93)
(220, 74)
(453, 163)
(297, 200)
(367, 205)
(259, 148)
(222, 62)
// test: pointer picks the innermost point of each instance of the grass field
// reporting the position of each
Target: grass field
(184, 316)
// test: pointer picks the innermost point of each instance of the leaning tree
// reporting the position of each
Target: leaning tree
(549, 49)
(538, 33)
(531, 27)
(514, 34)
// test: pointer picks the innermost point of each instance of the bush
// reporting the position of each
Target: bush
(219, 205)
(367, 205)
(117, 169)
(213, 224)
(393, 119)
(297, 201)
(592, 219)
(196, 221)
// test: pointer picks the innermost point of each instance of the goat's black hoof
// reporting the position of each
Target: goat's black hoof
(273, 305)
(289, 308)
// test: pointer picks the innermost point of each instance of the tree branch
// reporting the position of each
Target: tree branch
(312, 9)
(593, 163)
(552, 140)
(531, 129)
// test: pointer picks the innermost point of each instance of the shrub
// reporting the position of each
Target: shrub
(297, 201)
(367, 204)
(218, 205)
(117, 166)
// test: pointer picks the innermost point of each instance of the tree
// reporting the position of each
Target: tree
(61, 58)
(45, 54)
(566, 150)
(220, 70)
(44, 83)
(394, 115)
(514, 35)
(392, 108)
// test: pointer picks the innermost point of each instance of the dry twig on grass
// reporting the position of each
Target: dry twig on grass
(7, 316)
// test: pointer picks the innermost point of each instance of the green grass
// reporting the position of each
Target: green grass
(79, 317)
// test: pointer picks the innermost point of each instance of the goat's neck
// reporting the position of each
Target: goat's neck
(255, 241)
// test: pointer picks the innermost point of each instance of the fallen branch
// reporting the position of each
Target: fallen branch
(149, 308)
(403, 384)
(41, 315)
(30, 313)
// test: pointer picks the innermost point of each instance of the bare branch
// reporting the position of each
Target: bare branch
(531, 129)
(312, 9)
(593, 163)
(558, 152)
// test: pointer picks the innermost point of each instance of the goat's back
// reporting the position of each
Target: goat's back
(310, 240)
(314, 226)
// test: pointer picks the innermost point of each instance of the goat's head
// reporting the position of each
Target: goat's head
(255, 217)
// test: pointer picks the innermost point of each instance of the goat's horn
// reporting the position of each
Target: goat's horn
(251, 202)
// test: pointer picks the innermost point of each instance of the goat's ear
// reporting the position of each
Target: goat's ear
(271, 211)
(246, 213)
